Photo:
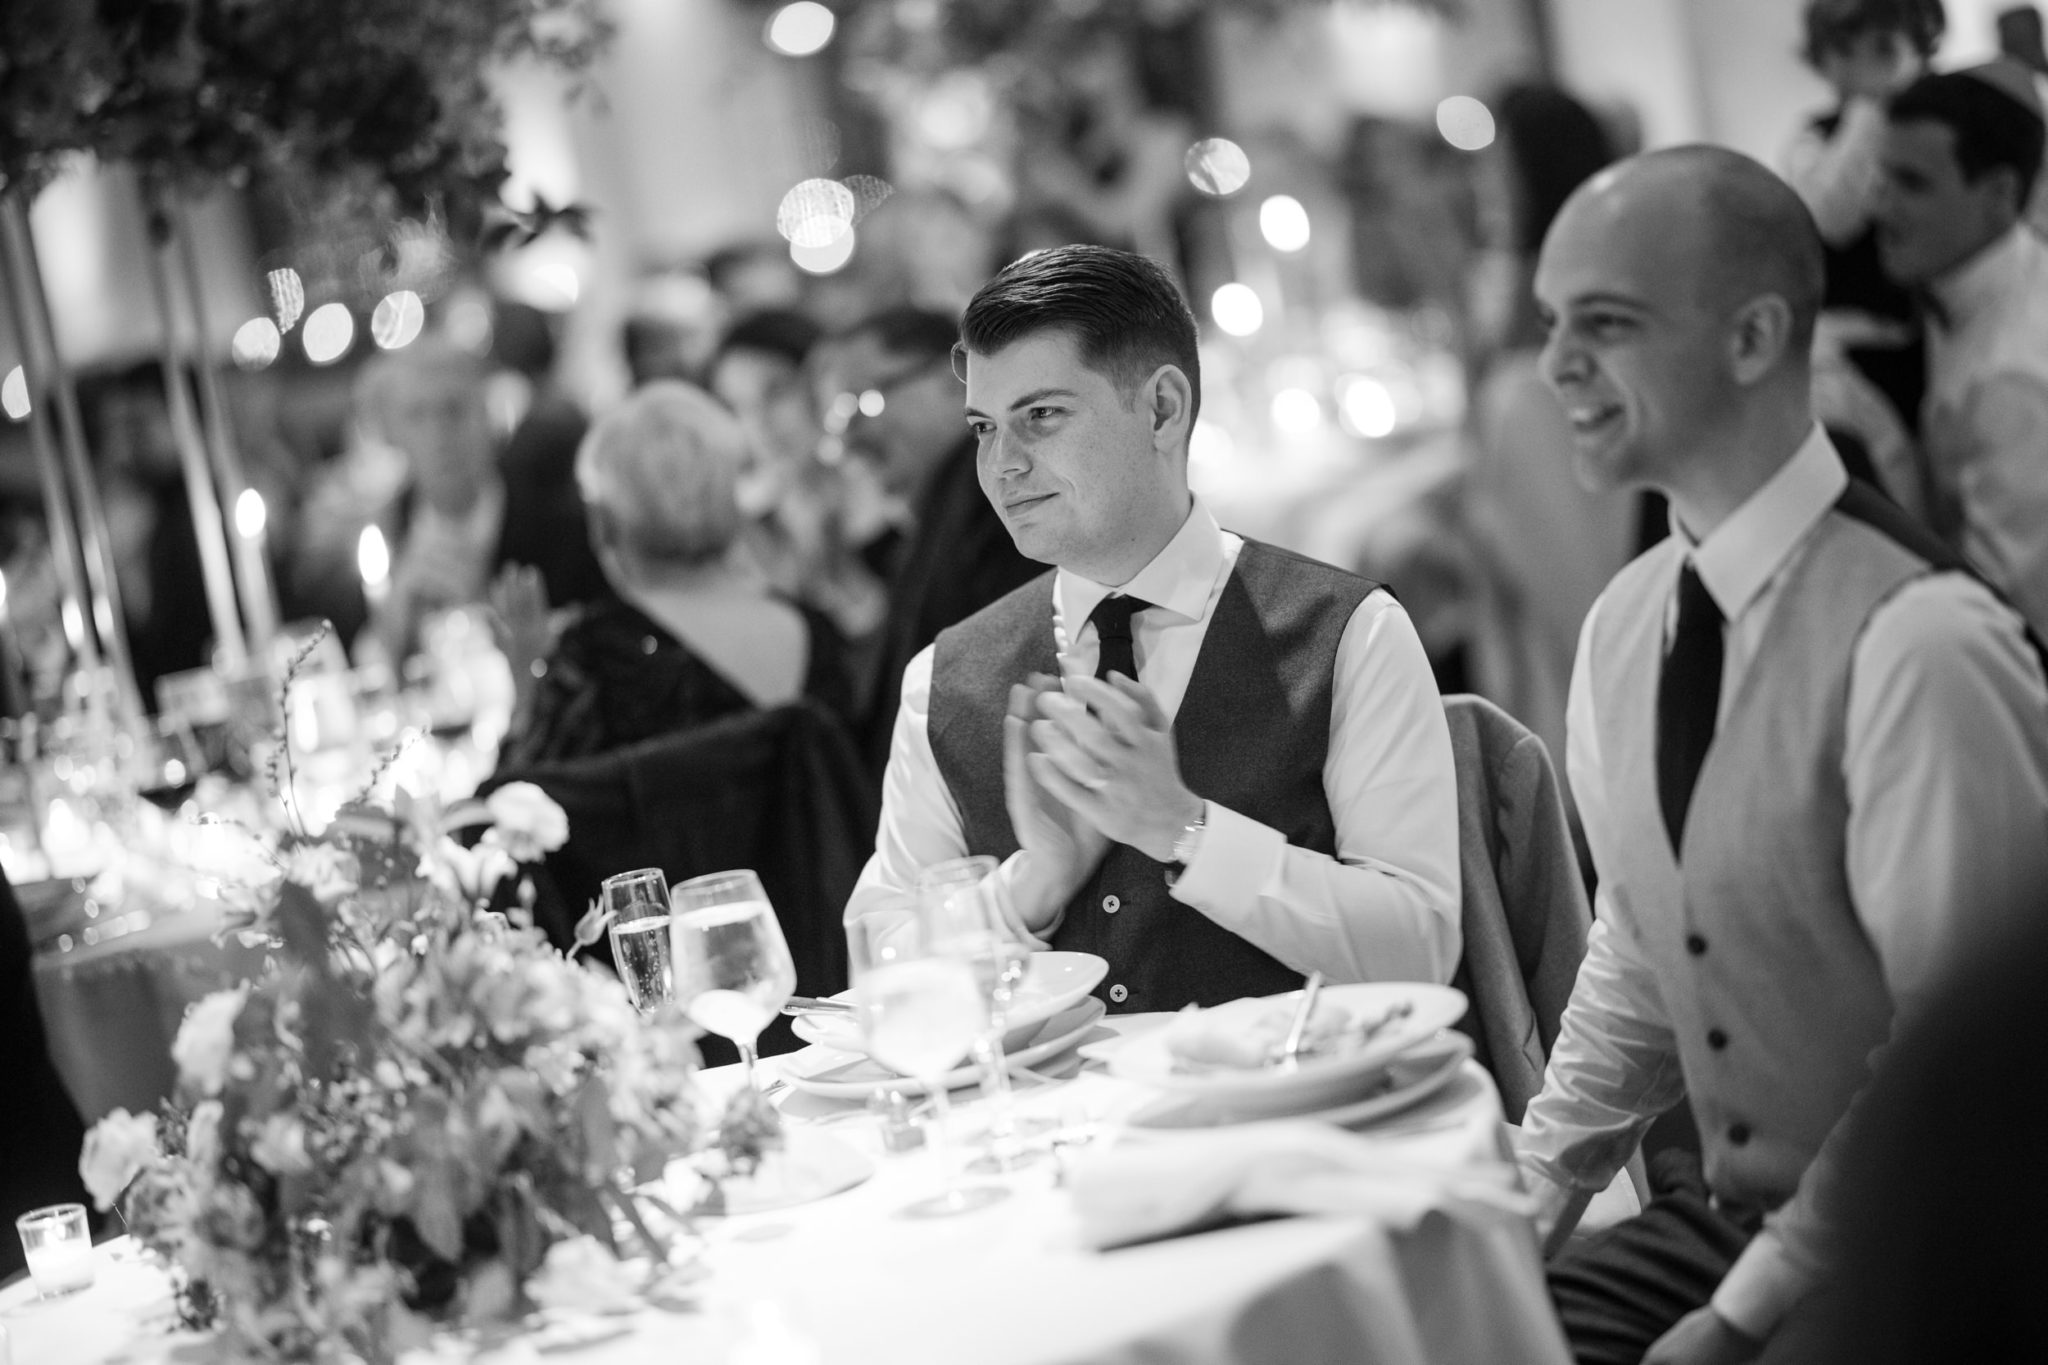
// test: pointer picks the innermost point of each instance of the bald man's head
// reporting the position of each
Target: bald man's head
(1684, 285)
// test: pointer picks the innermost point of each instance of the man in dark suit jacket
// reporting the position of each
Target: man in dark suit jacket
(895, 390)
(40, 1132)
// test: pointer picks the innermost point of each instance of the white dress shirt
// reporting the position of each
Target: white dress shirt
(1986, 415)
(1946, 761)
(1385, 908)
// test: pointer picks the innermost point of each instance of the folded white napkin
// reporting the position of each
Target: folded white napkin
(1134, 1192)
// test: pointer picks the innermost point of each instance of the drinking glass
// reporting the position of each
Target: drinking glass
(961, 920)
(638, 904)
(733, 972)
(920, 1012)
(172, 767)
(58, 1248)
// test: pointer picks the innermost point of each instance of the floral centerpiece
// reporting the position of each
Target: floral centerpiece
(416, 1104)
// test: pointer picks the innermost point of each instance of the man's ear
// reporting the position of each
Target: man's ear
(2002, 183)
(1759, 336)
(1169, 400)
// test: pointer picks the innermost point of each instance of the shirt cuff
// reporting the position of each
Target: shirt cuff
(1237, 860)
(1006, 902)
(1761, 1287)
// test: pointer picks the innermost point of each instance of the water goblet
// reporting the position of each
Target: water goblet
(733, 971)
(957, 907)
(919, 1012)
(638, 905)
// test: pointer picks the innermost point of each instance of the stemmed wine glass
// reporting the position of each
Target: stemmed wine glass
(920, 1012)
(961, 919)
(638, 904)
(733, 971)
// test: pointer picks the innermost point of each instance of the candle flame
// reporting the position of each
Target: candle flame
(250, 514)
(373, 558)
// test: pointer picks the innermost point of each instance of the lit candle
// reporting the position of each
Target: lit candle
(373, 562)
(57, 1247)
(252, 568)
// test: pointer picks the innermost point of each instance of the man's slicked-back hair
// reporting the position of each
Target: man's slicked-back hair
(1992, 129)
(1123, 311)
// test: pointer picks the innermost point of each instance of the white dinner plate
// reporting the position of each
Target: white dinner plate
(836, 1075)
(1319, 1081)
(1407, 1081)
(1052, 983)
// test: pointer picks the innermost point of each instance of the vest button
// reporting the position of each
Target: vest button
(1119, 993)
(1110, 905)
(1738, 1133)
(1716, 1039)
(1695, 945)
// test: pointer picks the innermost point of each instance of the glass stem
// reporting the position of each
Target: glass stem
(995, 1084)
(747, 1060)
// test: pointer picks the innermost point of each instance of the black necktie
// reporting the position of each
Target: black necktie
(1688, 696)
(1112, 618)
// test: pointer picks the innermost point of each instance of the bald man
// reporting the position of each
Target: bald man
(1809, 747)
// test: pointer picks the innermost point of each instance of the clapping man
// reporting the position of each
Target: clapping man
(1216, 764)
(1809, 747)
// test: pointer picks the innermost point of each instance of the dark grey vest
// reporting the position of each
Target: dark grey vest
(1252, 733)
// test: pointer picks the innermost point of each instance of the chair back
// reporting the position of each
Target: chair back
(781, 791)
(1524, 915)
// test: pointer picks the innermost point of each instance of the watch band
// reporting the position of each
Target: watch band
(1189, 842)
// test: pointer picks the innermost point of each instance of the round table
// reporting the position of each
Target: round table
(843, 1279)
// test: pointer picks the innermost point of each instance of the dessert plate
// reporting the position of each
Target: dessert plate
(834, 1074)
(1052, 984)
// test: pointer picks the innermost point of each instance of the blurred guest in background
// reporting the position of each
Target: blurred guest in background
(544, 524)
(797, 525)
(672, 328)
(690, 631)
(1961, 153)
(892, 383)
(1542, 543)
(2020, 38)
(1867, 51)
(40, 1130)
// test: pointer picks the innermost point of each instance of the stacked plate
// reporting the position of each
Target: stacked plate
(1051, 1013)
(1391, 1054)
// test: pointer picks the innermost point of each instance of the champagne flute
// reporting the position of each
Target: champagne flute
(958, 910)
(733, 971)
(638, 904)
(919, 1012)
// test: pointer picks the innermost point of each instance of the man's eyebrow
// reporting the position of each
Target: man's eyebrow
(1026, 400)
(1605, 299)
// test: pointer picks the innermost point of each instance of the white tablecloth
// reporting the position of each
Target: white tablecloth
(843, 1280)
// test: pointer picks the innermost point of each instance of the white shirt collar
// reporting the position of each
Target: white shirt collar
(1177, 580)
(1984, 279)
(1746, 551)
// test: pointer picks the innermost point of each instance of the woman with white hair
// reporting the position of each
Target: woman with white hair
(691, 631)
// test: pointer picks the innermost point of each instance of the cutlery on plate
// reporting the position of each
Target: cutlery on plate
(808, 1004)
(1289, 1056)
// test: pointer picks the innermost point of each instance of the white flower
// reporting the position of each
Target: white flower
(526, 822)
(580, 1275)
(280, 1146)
(328, 872)
(206, 1040)
(467, 874)
(202, 1134)
(115, 1151)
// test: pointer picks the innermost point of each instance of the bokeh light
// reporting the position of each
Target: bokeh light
(397, 321)
(801, 29)
(1237, 310)
(955, 114)
(814, 213)
(256, 344)
(560, 285)
(1217, 166)
(824, 260)
(373, 557)
(328, 333)
(250, 514)
(1283, 222)
(14, 394)
(1369, 407)
(1297, 411)
(1465, 123)
(287, 297)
